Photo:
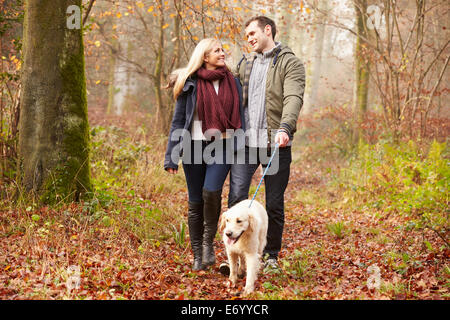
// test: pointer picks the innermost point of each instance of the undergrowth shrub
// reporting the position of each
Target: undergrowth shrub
(404, 180)
(129, 177)
(326, 136)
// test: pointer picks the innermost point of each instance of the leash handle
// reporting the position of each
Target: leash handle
(265, 171)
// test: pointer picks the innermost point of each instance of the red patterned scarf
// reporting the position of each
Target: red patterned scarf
(217, 111)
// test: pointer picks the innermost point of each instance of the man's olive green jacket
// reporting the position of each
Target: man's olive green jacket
(285, 87)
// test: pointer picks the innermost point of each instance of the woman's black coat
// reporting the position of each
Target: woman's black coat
(182, 119)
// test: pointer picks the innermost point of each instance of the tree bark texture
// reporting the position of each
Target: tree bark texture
(53, 128)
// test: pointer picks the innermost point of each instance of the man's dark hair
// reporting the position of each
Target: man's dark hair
(263, 21)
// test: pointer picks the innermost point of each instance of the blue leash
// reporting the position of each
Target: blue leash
(265, 171)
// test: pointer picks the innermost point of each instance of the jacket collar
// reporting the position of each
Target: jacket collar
(190, 82)
(270, 53)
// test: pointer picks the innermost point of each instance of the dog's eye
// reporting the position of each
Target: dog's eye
(238, 221)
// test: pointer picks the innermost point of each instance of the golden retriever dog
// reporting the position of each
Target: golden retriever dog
(244, 235)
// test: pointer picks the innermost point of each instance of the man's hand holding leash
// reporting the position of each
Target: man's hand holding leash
(282, 139)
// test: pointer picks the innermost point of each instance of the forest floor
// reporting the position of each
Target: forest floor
(328, 249)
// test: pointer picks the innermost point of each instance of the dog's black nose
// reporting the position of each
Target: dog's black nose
(229, 233)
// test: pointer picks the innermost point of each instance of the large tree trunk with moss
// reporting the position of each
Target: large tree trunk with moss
(53, 128)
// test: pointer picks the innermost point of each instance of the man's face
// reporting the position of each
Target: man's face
(257, 37)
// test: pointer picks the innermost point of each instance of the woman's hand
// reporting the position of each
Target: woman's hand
(172, 171)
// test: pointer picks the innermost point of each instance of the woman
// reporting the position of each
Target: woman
(208, 99)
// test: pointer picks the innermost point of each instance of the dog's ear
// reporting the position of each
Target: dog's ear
(222, 221)
(251, 222)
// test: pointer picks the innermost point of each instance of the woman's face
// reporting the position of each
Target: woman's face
(215, 58)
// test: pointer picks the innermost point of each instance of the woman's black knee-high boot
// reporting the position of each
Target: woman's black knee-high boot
(195, 224)
(212, 204)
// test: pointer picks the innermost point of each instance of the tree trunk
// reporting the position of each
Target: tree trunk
(177, 44)
(121, 87)
(311, 103)
(111, 88)
(361, 88)
(163, 123)
(113, 61)
(53, 128)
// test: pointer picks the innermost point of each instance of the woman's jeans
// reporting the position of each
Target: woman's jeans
(201, 174)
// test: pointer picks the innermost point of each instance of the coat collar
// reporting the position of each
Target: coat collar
(190, 82)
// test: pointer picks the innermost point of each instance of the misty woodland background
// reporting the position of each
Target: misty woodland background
(84, 118)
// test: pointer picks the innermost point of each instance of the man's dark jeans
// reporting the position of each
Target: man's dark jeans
(275, 183)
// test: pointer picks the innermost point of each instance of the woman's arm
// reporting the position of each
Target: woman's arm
(178, 121)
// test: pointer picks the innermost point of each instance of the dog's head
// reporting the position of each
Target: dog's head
(235, 223)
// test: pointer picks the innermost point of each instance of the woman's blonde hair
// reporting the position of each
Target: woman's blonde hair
(195, 63)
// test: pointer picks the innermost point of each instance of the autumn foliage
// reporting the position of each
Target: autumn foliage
(367, 203)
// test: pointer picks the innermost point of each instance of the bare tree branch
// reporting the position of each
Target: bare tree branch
(88, 11)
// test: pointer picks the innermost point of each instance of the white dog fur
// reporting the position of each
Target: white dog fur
(244, 235)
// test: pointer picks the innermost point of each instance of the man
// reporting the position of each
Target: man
(273, 80)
